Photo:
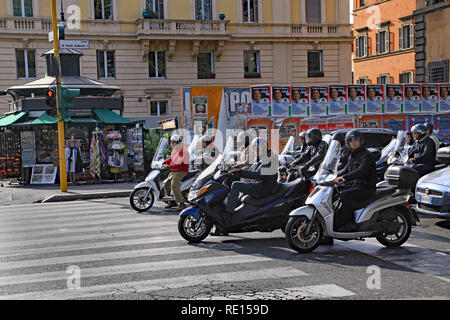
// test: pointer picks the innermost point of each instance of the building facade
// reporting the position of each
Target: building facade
(152, 48)
(384, 47)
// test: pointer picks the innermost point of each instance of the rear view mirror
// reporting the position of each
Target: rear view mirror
(443, 155)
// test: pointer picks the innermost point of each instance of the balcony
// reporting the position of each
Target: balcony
(19, 25)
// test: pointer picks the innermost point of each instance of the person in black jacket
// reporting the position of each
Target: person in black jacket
(361, 177)
(423, 154)
(303, 145)
(264, 171)
(311, 159)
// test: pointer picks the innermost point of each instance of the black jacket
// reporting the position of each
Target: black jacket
(265, 171)
(313, 156)
(424, 151)
(360, 170)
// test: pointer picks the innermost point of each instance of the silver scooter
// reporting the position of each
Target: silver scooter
(144, 194)
(385, 216)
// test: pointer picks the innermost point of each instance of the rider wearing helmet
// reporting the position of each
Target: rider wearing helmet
(303, 145)
(264, 171)
(423, 154)
(314, 154)
(243, 145)
(179, 168)
(361, 177)
(432, 136)
(209, 151)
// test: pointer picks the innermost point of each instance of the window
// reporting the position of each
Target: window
(203, 10)
(155, 8)
(406, 77)
(103, 9)
(406, 37)
(361, 46)
(205, 65)
(23, 8)
(438, 71)
(250, 10)
(158, 108)
(157, 64)
(26, 64)
(382, 42)
(362, 3)
(251, 64)
(383, 79)
(315, 67)
(106, 66)
(363, 80)
(313, 11)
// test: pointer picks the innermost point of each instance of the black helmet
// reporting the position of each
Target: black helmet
(429, 126)
(421, 129)
(313, 136)
(354, 135)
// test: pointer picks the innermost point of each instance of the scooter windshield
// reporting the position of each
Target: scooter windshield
(328, 169)
(160, 152)
(399, 142)
(288, 147)
(192, 146)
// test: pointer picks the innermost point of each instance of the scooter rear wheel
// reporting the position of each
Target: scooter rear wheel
(186, 228)
(297, 237)
(138, 202)
(396, 240)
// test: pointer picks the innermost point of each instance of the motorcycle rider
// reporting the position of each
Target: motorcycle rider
(303, 145)
(360, 173)
(243, 144)
(209, 151)
(179, 168)
(432, 136)
(423, 154)
(314, 154)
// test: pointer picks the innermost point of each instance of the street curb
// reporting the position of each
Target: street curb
(86, 196)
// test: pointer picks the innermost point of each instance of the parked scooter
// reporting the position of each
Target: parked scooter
(144, 194)
(393, 154)
(385, 216)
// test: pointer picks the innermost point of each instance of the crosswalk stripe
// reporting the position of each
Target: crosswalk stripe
(115, 255)
(158, 284)
(322, 291)
(135, 268)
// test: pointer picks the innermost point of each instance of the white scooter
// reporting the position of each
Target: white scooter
(385, 216)
(144, 194)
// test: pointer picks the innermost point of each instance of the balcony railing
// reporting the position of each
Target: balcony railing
(25, 25)
(182, 27)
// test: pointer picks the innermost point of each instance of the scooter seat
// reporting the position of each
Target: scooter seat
(190, 175)
(278, 192)
(379, 193)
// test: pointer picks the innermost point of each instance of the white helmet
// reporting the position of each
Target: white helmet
(176, 138)
(206, 138)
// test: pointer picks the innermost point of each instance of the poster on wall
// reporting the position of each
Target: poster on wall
(444, 98)
(200, 106)
(281, 101)
(315, 122)
(375, 98)
(340, 122)
(430, 98)
(200, 125)
(287, 130)
(261, 130)
(367, 121)
(442, 126)
(356, 99)
(412, 97)
(394, 122)
(239, 107)
(300, 101)
(338, 99)
(187, 114)
(318, 101)
(27, 142)
(394, 98)
(261, 101)
(412, 120)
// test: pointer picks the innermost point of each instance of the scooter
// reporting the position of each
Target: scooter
(393, 154)
(385, 216)
(145, 193)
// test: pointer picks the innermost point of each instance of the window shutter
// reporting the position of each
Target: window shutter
(400, 38)
(400, 78)
(161, 9)
(365, 46)
(357, 47)
(388, 39)
(256, 14)
(313, 11)
(378, 42)
(411, 35)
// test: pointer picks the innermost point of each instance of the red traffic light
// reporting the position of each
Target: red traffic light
(50, 93)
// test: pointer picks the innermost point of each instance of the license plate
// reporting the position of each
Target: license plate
(425, 199)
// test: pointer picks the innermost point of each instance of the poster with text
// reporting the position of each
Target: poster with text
(412, 97)
(340, 122)
(394, 98)
(200, 105)
(444, 98)
(356, 97)
(300, 101)
(412, 120)
(318, 101)
(239, 107)
(430, 98)
(338, 99)
(369, 121)
(314, 122)
(394, 122)
(375, 98)
(442, 126)
(281, 101)
(261, 101)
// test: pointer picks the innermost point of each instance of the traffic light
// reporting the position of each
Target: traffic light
(50, 101)
(66, 96)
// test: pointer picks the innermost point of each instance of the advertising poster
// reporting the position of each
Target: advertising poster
(394, 98)
(261, 128)
(200, 105)
(281, 101)
(239, 107)
(430, 96)
(442, 126)
(300, 101)
(340, 122)
(27, 142)
(412, 120)
(318, 101)
(187, 112)
(338, 100)
(309, 123)
(356, 97)
(412, 97)
(261, 101)
(375, 98)
(367, 121)
(394, 122)
(444, 98)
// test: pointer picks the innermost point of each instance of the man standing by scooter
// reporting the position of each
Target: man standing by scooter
(179, 168)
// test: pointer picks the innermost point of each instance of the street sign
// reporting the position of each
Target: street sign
(74, 44)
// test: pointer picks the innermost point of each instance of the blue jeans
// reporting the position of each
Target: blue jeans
(237, 187)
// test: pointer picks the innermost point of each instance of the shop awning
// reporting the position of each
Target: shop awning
(108, 116)
(11, 118)
(82, 120)
(45, 119)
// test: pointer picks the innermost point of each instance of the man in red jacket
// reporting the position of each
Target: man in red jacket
(179, 168)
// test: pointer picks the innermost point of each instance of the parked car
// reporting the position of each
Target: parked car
(433, 190)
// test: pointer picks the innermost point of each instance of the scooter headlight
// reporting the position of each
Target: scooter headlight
(194, 194)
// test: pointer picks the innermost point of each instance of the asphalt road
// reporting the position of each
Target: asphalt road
(102, 249)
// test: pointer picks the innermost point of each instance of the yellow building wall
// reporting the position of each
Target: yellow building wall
(45, 8)
(180, 9)
(295, 11)
(3, 8)
(267, 14)
(228, 8)
(330, 11)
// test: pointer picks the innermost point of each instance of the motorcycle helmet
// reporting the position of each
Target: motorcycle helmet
(176, 138)
(420, 129)
(206, 139)
(353, 135)
(429, 126)
(303, 135)
(243, 138)
(313, 136)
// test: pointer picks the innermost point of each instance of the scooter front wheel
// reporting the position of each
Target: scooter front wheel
(190, 229)
(297, 236)
(139, 201)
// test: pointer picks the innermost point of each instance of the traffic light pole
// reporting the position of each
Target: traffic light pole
(61, 142)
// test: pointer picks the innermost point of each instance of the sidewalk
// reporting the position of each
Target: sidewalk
(16, 194)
